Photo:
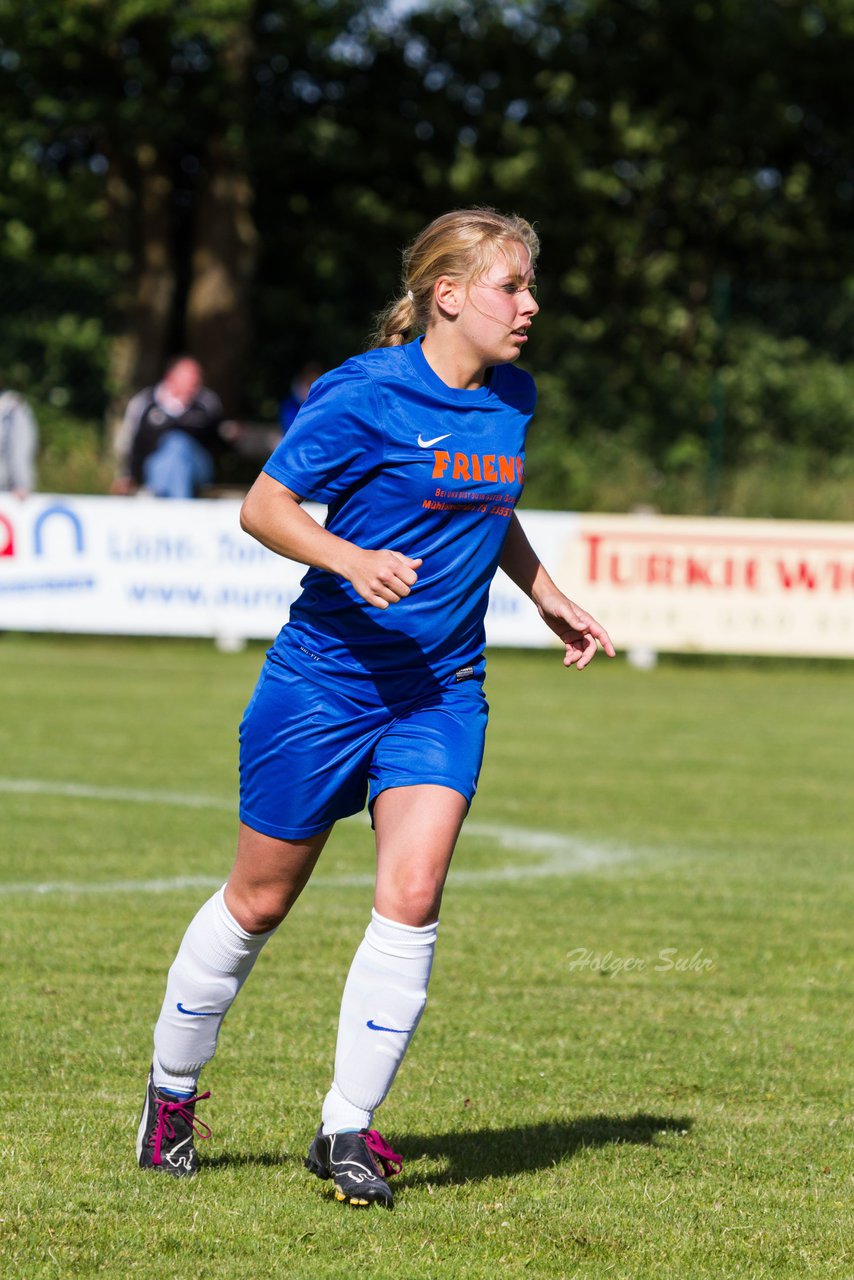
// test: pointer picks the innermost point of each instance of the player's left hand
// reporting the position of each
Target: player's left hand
(580, 632)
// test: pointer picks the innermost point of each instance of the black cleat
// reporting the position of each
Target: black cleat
(167, 1125)
(357, 1163)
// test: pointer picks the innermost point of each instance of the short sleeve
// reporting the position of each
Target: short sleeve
(515, 387)
(334, 441)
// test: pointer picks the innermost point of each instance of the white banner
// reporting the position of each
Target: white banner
(143, 566)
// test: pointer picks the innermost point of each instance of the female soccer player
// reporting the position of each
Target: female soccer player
(373, 688)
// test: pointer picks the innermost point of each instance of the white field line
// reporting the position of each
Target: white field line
(80, 791)
(554, 854)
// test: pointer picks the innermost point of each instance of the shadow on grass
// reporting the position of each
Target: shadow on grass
(492, 1153)
(234, 1159)
(496, 1153)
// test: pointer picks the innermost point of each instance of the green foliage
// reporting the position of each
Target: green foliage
(782, 391)
(688, 166)
(608, 471)
(72, 458)
(787, 440)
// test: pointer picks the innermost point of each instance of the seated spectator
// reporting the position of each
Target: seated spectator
(19, 438)
(290, 406)
(170, 437)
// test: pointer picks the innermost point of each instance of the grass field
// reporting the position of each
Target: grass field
(637, 1056)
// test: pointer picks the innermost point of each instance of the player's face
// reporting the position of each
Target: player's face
(499, 308)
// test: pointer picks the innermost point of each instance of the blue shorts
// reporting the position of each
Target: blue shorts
(312, 753)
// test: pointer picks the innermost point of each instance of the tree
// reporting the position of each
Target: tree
(239, 177)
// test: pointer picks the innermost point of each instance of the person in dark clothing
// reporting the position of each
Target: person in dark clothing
(170, 436)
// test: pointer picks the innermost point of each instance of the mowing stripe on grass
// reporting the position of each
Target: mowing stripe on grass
(557, 854)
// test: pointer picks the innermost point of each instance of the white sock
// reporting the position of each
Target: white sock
(383, 1000)
(214, 960)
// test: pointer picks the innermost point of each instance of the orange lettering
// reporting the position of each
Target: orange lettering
(475, 467)
(441, 464)
(507, 469)
(489, 472)
(461, 467)
(520, 471)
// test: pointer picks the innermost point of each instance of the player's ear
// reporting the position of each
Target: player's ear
(449, 295)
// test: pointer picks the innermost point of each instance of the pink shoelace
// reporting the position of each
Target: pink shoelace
(165, 1129)
(391, 1162)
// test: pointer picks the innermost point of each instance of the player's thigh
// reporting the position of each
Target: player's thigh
(423, 775)
(416, 831)
(438, 742)
(268, 876)
(305, 750)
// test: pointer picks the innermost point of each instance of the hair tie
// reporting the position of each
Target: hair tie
(410, 295)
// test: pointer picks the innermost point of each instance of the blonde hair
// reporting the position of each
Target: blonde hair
(461, 244)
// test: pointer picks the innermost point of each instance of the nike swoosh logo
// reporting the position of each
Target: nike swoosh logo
(425, 444)
(397, 1030)
(194, 1013)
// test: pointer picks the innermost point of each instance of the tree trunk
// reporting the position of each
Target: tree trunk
(217, 317)
(224, 255)
(140, 350)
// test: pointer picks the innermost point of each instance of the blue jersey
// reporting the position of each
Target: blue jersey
(408, 463)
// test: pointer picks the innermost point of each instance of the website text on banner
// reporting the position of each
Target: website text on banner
(147, 567)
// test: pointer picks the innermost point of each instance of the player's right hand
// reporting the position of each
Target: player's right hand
(383, 577)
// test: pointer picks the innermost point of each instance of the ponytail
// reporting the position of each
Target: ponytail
(395, 324)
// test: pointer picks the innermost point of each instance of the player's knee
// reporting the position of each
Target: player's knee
(261, 909)
(415, 902)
